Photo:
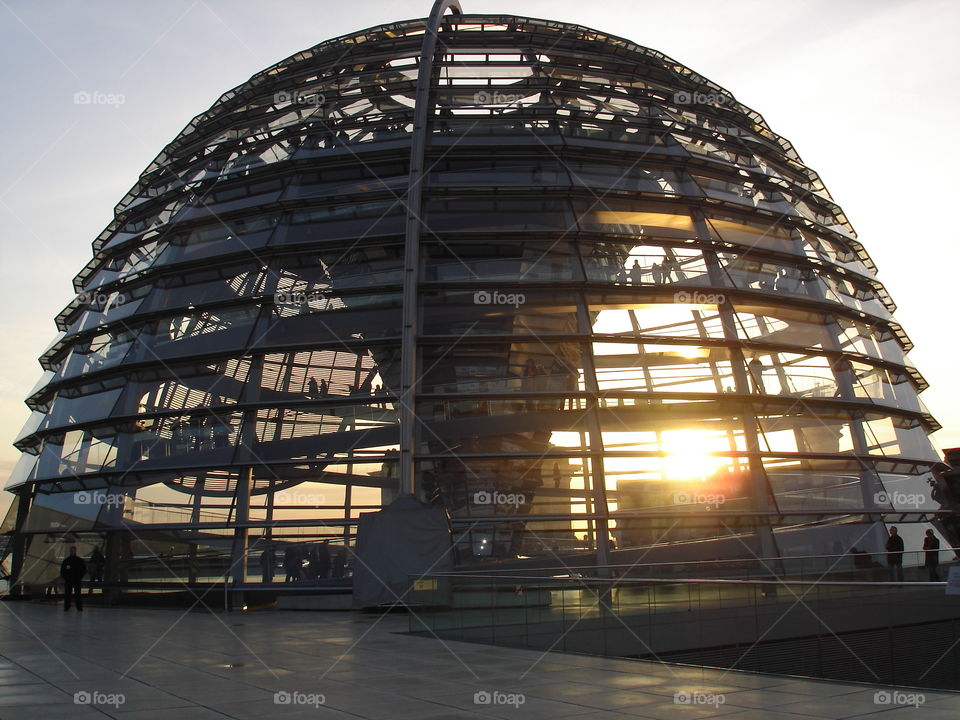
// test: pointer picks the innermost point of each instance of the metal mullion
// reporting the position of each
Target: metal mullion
(761, 489)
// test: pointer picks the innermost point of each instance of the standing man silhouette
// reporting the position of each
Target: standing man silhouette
(895, 555)
(932, 555)
(72, 570)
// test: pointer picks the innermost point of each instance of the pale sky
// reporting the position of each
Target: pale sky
(868, 92)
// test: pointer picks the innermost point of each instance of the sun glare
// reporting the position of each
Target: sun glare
(688, 455)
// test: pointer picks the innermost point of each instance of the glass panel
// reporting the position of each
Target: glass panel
(221, 238)
(510, 311)
(73, 410)
(359, 220)
(511, 262)
(468, 215)
(194, 333)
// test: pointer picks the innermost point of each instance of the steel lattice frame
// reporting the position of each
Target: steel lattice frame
(555, 251)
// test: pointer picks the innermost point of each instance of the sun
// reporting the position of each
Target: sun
(688, 455)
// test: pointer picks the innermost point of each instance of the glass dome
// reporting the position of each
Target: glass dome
(558, 282)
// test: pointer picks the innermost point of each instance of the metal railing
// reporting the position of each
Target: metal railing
(850, 566)
(851, 626)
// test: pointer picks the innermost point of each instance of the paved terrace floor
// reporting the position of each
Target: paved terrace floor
(281, 664)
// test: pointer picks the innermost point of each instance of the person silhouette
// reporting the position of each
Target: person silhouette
(324, 560)
(931, 559)
(95, 565)
(72, 570)
(529, 381)
(895, 555)
(755, 367)
(267, 565)
(292, 564)
(657, 271)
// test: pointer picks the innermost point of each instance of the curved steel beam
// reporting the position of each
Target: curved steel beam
(411, 259)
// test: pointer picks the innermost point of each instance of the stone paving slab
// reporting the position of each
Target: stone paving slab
(151, 664)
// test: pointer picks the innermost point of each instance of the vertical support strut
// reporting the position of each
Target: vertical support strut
(601, 507)
(760, 487)
(411, 257)
(241, 535)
